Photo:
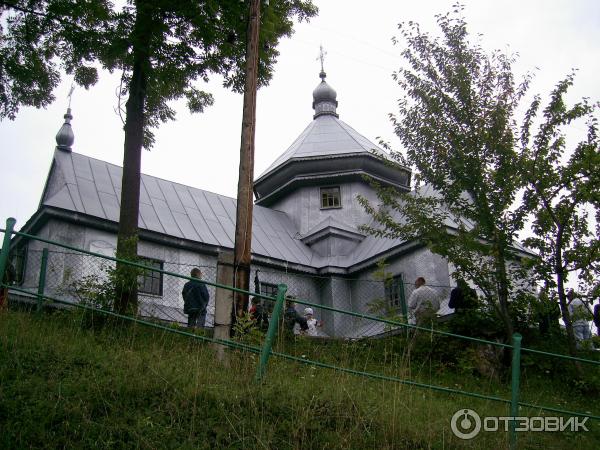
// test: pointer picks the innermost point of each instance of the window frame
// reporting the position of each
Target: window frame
(151, 275)
(395, 293)
(271, 287)
(332, 197)
(19, 259)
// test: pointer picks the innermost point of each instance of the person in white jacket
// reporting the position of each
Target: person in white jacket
(312, 322)
(423, 303)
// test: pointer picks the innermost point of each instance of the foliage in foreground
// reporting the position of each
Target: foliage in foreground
(64, 386)
(455, 122)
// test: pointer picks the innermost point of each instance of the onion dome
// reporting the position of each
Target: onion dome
(324, 99)
(65, 136)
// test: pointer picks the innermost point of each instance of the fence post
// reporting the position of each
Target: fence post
(42, 279)
(10, 224)
(271, 332)
(514, 401)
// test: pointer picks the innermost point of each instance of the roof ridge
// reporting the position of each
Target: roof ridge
(344, 125)
(300, 139)
(340, 122)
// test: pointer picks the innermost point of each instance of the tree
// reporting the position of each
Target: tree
(38, 40)
(456, 124)
(562, 194)
(163, 47)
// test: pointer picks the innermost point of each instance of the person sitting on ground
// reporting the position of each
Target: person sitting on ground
(423, 304)
(312, 322)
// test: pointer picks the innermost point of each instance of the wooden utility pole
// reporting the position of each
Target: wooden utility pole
(245, 200)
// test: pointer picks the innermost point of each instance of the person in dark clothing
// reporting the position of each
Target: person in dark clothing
(547, 313)
(462, 297)
(195, 299)
(259, 314)
(597, 318)
(291, 318)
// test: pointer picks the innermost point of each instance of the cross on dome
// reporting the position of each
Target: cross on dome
(322, 54)
(324, 96)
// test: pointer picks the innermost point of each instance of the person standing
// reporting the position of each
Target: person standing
(195, 299)
(423, 303)
(462, 297)
(580, 316)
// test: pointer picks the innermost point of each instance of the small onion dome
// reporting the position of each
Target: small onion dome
(65, 136)
(324, 98)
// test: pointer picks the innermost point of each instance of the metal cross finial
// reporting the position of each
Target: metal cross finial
(70, 94)
(322, 54)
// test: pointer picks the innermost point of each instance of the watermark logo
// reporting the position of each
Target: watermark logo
(466, 423)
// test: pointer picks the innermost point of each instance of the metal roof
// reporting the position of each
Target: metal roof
(325, 136)
(93, 187)
(90, 186)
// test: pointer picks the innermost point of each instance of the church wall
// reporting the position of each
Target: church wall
(66, 266)
(62, 263)
(424, 263)
(334, 246)
(328, 317)
(367, 288)
(303, 205)
(367, 291)
(353, 293)
(342, 324)
(304, 287)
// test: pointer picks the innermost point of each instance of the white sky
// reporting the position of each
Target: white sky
(203, 150)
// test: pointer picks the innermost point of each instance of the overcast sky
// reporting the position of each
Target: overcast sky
(203, 150)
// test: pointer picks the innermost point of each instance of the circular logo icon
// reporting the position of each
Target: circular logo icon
(465, 424)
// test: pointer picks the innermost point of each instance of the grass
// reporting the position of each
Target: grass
(64, 386)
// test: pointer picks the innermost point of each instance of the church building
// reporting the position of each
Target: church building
(305, 226)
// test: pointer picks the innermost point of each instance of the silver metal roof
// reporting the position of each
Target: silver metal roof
(90, 186)
(93, 187)
(325, 136)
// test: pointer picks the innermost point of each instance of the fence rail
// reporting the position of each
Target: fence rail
(41, 294)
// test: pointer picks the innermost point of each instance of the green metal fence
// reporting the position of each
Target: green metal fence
(265, 350)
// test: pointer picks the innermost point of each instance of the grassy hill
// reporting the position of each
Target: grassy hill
(65, 386)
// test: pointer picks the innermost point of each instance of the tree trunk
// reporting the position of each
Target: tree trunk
(502, 287)
(562, 299)
(126, 278)
(243, 225)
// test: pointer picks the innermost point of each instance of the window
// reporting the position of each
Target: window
(269, 289)
(394, 292)
(15, 267)
(18, 263)
(330, 197)
(150, 281)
